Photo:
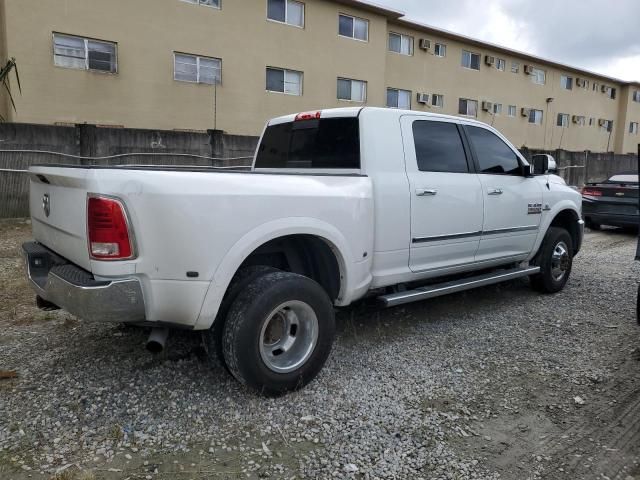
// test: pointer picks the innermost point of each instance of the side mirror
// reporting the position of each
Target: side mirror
(527, 170)
(543, 164)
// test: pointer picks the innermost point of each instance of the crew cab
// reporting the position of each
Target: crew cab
(338, 205)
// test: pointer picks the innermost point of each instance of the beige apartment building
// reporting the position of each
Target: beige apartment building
(232, 64)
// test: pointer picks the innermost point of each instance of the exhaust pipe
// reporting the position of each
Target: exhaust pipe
(157, 339)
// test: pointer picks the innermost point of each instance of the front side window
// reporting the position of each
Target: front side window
(468, 107)
(284, 81)
(439, 147)
(286, 11)
(538, 76)
(500, 64)
(512, 110)
(437, 100)
(633, 128)
(470, 60)
(196, 69)
(352, 90)
(208, 3)
(566, 82)
(402, 44)
(353, 27)
(317, 143)
(494, 156)
(563, 120)
(397, 98)
(83, 53)
(535, 116)
(440, 50)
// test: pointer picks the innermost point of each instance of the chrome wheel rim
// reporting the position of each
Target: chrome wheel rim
(288, 336)
(560, 261)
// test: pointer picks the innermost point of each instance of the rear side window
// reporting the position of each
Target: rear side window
(494, 156)
(439, 147)
(317, 143)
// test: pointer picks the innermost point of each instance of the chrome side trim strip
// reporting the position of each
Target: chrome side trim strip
(430, 291)
(499, 231)
(438, 238)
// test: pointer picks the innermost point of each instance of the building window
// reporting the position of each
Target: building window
(515, 67)
(592, 121)
(611, 92)
(437, 100)
(579, 120)
(595, 86)
(402, 44)
(566, 82)
(208, 3)
(636, 96)
(284, 81)
(606, 124)
(468, 107)
(470, 60)
(535, 116)
(440, 50)
(633, 128)
(512, 110)
(497, 109)
(85, 54)
(397, 98)
(500, 64)
(563, 120)
(286, 11)
(353, 27)
(538, 76)
(352, 90)
(192, 68)
(580, 83)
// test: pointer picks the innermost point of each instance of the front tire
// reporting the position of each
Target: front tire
(555, 259)
(278, 333)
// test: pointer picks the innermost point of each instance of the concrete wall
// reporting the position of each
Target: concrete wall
(89, 140)
(4, 100)
(143, 93)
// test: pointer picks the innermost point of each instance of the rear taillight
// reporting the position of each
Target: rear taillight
(591, 192)
(108, 230)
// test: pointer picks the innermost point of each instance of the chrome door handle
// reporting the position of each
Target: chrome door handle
(494, 191)
(426, 192)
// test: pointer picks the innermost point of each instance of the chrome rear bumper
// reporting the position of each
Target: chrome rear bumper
(76, 291)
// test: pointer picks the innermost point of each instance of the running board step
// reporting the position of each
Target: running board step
(430, 291)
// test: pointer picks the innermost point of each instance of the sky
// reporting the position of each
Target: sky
(598, 35)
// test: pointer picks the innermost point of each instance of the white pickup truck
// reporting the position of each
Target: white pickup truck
(339, 204)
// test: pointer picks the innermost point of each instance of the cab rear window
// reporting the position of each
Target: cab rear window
(326, 143)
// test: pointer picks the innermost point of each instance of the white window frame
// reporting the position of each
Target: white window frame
(86, 41)
(364, 90)
(198, 58)
(468, 100)
(286, 14)
(440, 50)
(535, 76)
(511, 111)
(499, 62)
(535, 113)
(636, 96)
(471, 54)
(564, 82)
(286, 72)
(408, 92)
(515, 67)
(402, 37)
(564, 120)
(497, 109)
(437, 100)
(203, 4)
(353, 30)
(633, 128)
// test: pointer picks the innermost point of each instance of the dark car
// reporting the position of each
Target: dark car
(611, 202)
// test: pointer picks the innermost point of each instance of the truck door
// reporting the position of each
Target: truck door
(446, 194)
(512, 201)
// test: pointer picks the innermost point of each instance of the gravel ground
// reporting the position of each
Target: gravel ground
(499, 382)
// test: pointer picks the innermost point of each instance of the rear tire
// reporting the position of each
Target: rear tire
(278, 333)
(555, 259)
(213, 337)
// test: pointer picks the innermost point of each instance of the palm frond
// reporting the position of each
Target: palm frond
(10, 66)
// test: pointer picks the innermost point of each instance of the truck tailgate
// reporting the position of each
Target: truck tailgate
(58, 203)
